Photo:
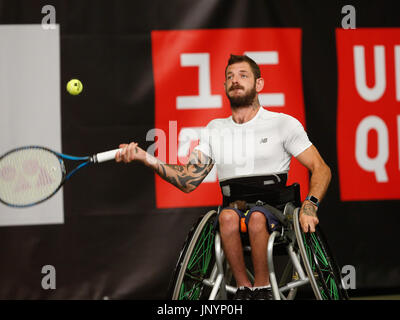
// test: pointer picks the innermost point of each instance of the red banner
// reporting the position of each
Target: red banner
(368, 133)
(189, 67)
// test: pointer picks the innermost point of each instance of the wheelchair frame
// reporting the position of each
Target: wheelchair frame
(303, 268)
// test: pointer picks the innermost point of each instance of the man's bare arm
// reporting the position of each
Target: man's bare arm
(320, 172)
(319, 183)
(185, 177)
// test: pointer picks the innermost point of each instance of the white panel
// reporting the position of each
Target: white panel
(30, 111)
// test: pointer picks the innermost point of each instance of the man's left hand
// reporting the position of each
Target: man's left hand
(308, 217)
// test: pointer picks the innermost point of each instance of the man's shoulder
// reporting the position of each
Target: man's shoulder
(284, 122)
(279, 116)
(218, 122)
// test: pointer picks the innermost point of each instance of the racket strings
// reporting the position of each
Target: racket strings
(29, 175)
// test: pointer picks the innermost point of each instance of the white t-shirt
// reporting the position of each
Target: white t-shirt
(262, 146)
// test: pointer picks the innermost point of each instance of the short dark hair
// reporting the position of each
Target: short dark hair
(253, 65)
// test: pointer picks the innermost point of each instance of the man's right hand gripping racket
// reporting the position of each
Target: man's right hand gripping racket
(33, 174)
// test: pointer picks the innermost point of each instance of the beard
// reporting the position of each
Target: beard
(242, 101)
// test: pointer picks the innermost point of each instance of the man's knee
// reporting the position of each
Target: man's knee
(257, 222)
(229, 220)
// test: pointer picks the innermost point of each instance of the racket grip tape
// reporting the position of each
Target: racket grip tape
(106, 156)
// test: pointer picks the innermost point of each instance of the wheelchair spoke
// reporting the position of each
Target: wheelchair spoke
(328, 281)
(199, 247)
(335, 290)
(324, 296)
(192, 294)
(193, 277)
(202, 266)
(309, 253)
(321, 265)
(319, 250)
(194, 258)
(321, 260)
(194, 288)
(205, 247)
(196, 263)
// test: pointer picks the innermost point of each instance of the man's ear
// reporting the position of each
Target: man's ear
(259, 84)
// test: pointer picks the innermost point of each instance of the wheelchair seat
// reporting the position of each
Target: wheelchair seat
(271, 189)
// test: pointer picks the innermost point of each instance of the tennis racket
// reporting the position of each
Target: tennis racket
(30, 175)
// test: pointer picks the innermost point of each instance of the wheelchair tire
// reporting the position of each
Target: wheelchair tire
(196, 261)
(320, 264)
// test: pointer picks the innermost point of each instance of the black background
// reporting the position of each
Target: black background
(114, 242)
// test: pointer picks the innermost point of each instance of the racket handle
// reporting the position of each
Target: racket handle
(106, 156)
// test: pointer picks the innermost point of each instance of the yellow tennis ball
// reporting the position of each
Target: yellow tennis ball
(74, 87)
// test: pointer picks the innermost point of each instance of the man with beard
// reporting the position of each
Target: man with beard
(270, 140)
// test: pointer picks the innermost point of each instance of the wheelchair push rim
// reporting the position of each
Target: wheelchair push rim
(196, 261)
(319, 263)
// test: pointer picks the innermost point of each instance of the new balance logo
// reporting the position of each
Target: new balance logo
(263, 140)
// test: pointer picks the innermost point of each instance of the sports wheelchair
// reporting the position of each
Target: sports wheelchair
(202, 272)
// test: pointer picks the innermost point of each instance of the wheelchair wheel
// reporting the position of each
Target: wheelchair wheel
(196, 261)
(319, 262)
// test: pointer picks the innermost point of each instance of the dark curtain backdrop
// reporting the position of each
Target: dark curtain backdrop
(114, 241)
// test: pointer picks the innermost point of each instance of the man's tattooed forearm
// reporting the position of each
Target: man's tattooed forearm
(161, 170)
(199, 172)
(184, 177)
